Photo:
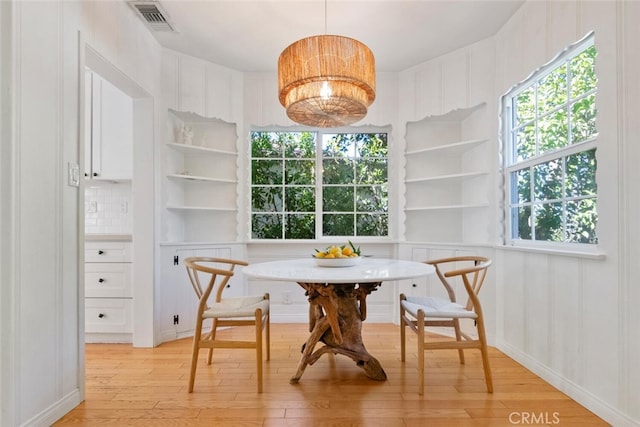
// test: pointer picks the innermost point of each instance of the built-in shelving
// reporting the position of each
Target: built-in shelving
(201, 185)
(446, 177)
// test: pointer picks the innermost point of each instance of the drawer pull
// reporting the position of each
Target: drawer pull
(101, 315)
(101, 280)
(100, 252)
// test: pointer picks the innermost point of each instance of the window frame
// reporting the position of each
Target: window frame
(318, 132)
(510, 163)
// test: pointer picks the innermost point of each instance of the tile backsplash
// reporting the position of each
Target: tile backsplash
(107, 209)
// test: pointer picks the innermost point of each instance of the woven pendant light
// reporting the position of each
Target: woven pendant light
(326, 81)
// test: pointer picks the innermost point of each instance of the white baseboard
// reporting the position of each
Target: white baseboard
(584, 397)
(104, 337)
(172, 335)
(56, 411)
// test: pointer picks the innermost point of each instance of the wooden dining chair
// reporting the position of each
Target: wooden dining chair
(209, 277)
(417, 313)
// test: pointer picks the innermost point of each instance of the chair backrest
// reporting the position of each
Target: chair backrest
(472, 273)
(218, 272)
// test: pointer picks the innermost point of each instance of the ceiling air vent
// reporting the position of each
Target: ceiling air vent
(153, 15)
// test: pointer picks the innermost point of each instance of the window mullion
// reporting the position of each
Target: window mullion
(318, 184)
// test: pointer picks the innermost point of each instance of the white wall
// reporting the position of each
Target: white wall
(570, 318)
(42, 349)
(629, 317)
(567, 318)
(262, 108)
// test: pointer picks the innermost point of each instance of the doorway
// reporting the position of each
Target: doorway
(141, 192)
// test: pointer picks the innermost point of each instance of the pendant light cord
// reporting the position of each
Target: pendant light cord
(325, 17)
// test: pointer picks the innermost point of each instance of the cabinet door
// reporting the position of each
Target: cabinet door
(88, 121)
(177, 297)
(174, 291)
(112, 132)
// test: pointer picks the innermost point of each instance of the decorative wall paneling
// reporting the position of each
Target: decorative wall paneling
(44, 225)
(600, 316)
(199, 199)
(629, 294)
(178, 303)
(195, 86)
(568, 317)
(455, 82)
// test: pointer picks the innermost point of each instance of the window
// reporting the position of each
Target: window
(306, 185)
(550, 151)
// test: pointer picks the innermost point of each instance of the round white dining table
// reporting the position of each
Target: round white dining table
(337, 303)
(366, 270)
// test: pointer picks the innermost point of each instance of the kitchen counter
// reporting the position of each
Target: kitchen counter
(107, 237)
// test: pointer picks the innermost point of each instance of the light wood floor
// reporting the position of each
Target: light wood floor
(128, 386)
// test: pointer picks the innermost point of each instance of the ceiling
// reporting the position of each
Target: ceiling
(249, 35)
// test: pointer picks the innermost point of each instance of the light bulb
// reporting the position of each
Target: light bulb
(325, 91)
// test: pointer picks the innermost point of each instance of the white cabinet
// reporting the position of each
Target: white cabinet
(178, 302)
(108, 291)
(447, 188)
(201, 184)
(108, 131)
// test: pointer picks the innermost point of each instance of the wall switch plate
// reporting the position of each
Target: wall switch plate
(73, 174)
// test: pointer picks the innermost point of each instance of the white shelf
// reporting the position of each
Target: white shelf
(196, 149)
(198, 243)
(201, 178)
(448, 207)
(200, 208)
(454, 148)
(451, 177)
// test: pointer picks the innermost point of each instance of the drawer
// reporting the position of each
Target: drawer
(107, 252)
(108, 315)
(107, 280)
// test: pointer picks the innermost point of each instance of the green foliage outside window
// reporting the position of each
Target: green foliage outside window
(351, 180)
(552, 167)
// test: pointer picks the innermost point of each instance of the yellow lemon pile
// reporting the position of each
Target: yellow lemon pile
(343, 251)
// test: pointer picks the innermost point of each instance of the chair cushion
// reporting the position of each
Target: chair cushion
(434, 307)
(237, 307)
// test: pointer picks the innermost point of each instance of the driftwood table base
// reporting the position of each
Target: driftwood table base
(336, 313)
